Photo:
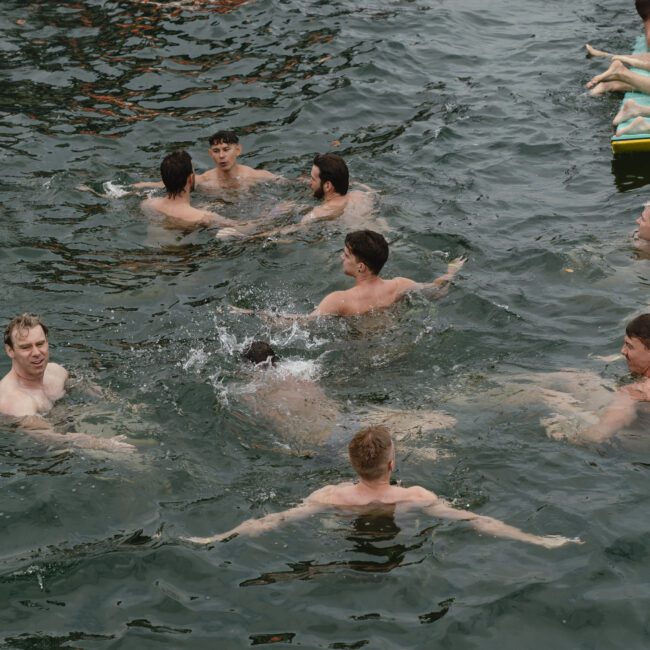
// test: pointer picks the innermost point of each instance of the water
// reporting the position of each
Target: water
(470, 121)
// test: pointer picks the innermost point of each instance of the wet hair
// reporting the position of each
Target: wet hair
(639, 328)
(175, 169)
(370, 450)
(260, 352)
(368, 247)
(23, 322)
(643, 9)
(223, 137)
(332, 168)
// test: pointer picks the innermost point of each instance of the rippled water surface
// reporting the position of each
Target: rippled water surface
(470, 121)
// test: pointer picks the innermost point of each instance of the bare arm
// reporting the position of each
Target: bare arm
(496, 527)
(619, 414)
(253, 527)
(149, 185)
(439, 287)
(39, 427)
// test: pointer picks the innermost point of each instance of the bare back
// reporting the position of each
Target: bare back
(180, 216)
(359, 494)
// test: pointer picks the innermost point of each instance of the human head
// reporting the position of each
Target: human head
(372, 453)
(224, 150)
(21, 324)
(644, 222)
(260, 352)
(643, 9)
(175, 170)
(329, 168)
(636, 345)
(368, 247)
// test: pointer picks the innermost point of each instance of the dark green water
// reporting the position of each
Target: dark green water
(470, 120)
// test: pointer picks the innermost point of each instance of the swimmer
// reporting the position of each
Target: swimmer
(306, 417)
(622, 410)
(641, 236)
(364, 254)
(178, 178)
(224, 149)
(329, 183)
(33, 384)
(372, 456)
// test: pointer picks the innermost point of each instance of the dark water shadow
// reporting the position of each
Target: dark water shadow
(631, 171)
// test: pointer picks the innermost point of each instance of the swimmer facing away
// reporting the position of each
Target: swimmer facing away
(372, 455)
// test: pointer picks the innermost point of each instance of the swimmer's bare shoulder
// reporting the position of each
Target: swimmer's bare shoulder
(15, 402)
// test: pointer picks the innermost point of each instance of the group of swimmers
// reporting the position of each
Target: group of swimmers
(29, 390)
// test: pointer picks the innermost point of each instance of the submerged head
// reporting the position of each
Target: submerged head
(372, 453)
(636, 345)
(367, 248)
(260, 352)
(176, 169)
(26, 345)
(644, 223)
(329, 173)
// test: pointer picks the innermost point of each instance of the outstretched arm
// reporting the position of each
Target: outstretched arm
(619, 414)
(149, 185)
(496, 527)
(254, 527)
(39, 427)
(440, 286)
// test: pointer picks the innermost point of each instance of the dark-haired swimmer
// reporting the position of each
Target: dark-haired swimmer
(33, 384)
(330, 184)
(372, 456)
(224, 149)
(179, 180)
(364, 255)
(622, 410)
(289, 397)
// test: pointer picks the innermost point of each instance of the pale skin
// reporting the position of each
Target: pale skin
(370, 292)
(33, 384)
(227, 172)
(618, 78)
(333, 206)
(622, 410)
(366, 493)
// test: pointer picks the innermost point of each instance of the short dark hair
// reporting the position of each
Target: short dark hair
(639, 328)
(260, 352)
(332, 168)
(175, 169)
(369, 451)
(368, 247)
(225, 137)
(23, 322)
(643, 9)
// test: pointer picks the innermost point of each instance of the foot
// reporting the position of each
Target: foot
(629, 110)
(637, 125)
(615, 72)
(592, 51)
(610, 87)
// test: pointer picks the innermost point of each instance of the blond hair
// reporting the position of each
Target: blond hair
(23, 322)
(370, 450)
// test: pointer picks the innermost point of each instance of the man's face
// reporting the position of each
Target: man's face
(224, 155)
(30, 352)
(316, 184)
(350, 262)
(636, 354)
(644, 223)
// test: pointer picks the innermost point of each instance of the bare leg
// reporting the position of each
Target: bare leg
(592, 51)
(638, 125)
(619, 73)
(610, 87)
(629, 110)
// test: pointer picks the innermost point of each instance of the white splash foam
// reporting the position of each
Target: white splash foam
(113, 190)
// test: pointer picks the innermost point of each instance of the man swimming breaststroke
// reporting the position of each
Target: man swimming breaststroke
(33, 384)
(224, 149)
(179, 180)
(305, 417)
(622, 411)
(372, 456)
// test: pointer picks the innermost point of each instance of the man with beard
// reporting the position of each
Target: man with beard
(179, 180)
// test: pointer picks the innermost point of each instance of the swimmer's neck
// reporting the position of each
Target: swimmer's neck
(232, 174)
(333, 197)
(31, 383)
(183, 198)
(366, 280)
(378, 485)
